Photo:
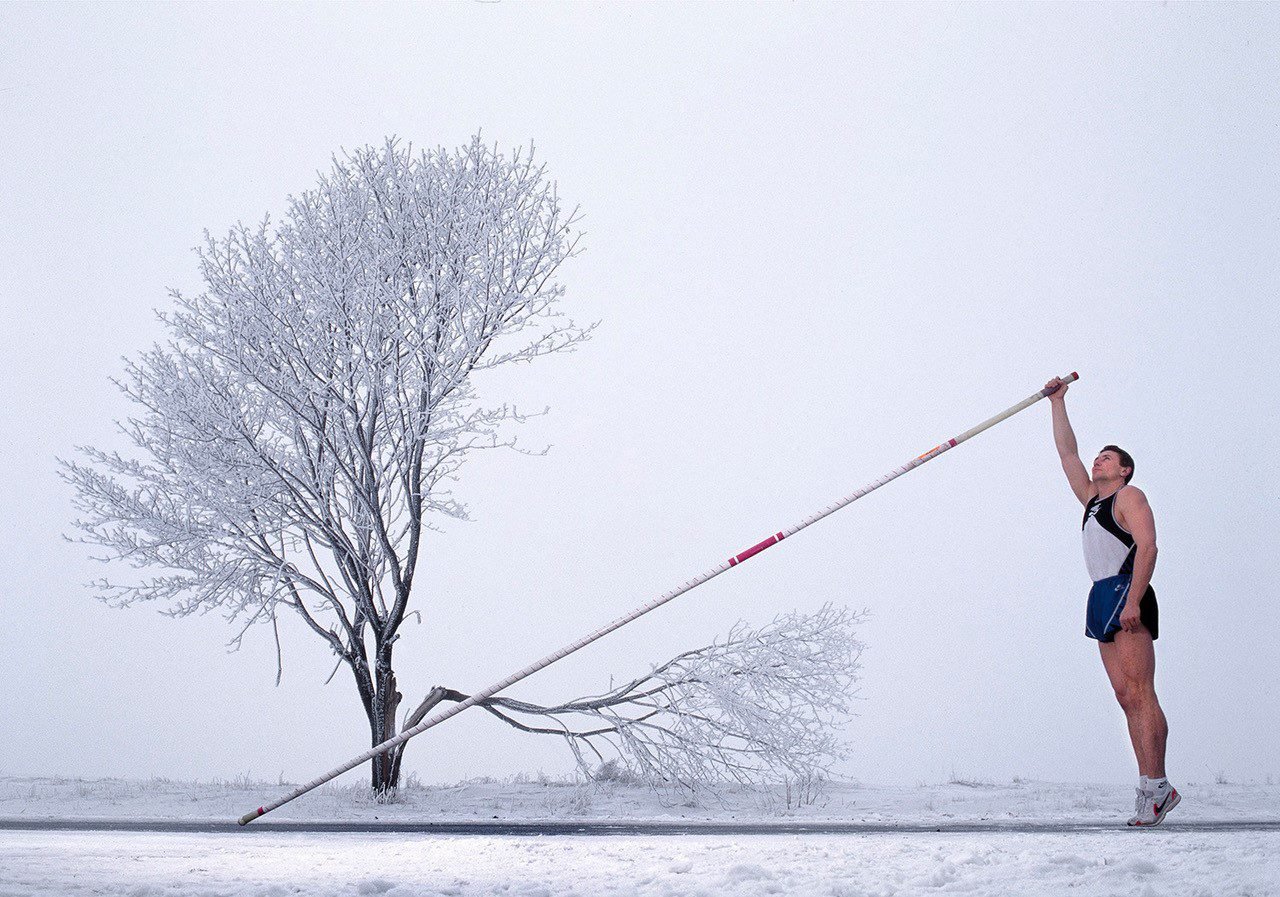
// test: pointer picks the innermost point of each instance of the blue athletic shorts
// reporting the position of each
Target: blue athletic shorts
(1106, 602)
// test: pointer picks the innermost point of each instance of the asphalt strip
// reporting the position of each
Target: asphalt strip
(538, 829)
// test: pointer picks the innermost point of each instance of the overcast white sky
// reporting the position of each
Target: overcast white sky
(820, 239)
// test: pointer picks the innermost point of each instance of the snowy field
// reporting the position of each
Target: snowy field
(1163, 861)
(548, 799)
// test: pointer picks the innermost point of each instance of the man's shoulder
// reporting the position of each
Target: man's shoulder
(1131, 504)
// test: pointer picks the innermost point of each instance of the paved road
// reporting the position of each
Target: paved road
(618, 828)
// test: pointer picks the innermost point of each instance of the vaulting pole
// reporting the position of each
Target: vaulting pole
(660, 600)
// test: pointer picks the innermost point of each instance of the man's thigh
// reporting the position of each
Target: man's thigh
(1130, 660)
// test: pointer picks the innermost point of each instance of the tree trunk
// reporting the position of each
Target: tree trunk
(434, 697)
(382, 724)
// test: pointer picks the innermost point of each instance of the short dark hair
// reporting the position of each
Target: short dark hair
(1126, 459)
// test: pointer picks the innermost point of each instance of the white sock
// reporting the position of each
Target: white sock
(1144, 783)
(1157, 785)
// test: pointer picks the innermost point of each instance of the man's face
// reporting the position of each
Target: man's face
(1107, 466)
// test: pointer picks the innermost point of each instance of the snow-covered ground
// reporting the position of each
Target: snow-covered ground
(1142, 864)
(535, 799)
(1163, 861)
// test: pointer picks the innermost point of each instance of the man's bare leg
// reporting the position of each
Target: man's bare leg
(1131, 666)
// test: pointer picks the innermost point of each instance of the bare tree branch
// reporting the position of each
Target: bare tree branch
(761, 705)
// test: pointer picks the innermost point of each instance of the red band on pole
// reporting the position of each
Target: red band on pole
(755, 549)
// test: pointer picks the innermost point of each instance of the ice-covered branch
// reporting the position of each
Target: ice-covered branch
(760, 705)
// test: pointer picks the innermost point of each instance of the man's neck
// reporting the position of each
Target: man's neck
(1108, 488)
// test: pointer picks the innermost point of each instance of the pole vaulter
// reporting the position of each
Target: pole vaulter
(656, 602)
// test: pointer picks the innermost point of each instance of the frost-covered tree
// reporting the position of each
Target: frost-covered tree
(297, 433)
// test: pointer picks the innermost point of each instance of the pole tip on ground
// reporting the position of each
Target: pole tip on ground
(249, 817)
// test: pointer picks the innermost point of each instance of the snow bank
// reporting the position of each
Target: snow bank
(550, 799)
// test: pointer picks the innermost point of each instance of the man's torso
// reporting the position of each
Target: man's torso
(1109, 548)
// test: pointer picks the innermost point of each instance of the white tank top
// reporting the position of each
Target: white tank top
(1108, 547)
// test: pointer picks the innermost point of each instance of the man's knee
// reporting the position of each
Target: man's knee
(1136, 696)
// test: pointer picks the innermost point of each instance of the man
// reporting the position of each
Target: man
(1122, 615)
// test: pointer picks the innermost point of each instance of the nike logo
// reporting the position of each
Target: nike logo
(1160, 807)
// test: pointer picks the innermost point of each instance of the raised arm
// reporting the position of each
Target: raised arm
(1065, 440)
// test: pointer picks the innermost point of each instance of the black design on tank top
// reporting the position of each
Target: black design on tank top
(1102, 511)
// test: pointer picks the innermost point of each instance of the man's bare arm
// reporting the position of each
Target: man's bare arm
(1133, 512)
(1065, 440)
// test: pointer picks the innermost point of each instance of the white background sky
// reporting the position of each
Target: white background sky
(820, 239)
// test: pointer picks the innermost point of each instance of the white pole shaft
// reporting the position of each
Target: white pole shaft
(640, 611)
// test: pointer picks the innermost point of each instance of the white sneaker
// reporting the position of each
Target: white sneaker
(1142, 806)
(1152, 811)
